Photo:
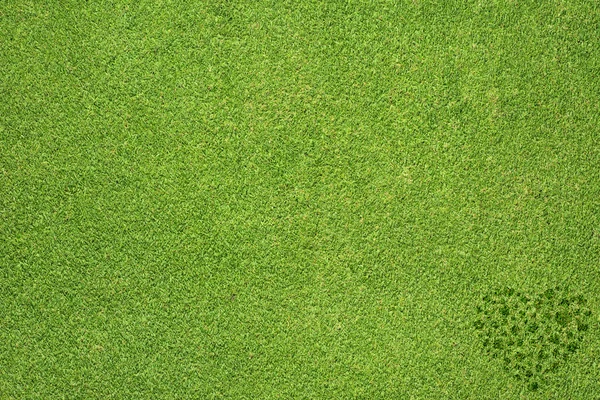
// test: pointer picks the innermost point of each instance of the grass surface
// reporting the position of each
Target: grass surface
(293, 199)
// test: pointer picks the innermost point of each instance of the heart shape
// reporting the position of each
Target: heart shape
(533, 335)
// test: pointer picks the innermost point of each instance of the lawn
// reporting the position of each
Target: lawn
(311, 199)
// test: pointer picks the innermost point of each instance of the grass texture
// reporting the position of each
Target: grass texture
(299, 199)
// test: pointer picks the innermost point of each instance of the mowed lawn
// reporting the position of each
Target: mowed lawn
(299, 199)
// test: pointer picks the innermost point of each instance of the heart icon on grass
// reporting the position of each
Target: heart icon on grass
(532, 334)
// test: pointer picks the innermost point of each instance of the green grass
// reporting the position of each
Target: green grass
(295, 199)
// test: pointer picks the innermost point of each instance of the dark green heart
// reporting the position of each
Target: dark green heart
(532, 334)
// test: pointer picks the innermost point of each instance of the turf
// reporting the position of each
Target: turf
(299, 199)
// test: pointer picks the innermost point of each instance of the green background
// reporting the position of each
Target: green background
(290, 199)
